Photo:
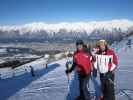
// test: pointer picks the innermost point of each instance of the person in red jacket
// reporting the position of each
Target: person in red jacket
(106, 63)
(82, 63)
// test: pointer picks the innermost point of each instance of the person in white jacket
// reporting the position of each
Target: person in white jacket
(105, 63)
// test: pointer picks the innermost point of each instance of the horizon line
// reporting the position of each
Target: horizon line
(58, 22)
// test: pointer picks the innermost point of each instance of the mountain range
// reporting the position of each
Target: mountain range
(66, 31)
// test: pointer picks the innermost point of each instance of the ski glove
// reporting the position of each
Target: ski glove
(109, 74)
(67, 71)
(71, 69)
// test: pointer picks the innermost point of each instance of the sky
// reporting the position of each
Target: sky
(55, 11)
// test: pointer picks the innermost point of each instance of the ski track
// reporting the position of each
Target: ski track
(53, 85)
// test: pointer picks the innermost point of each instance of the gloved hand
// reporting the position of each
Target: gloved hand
(109, 74)
(67, 71)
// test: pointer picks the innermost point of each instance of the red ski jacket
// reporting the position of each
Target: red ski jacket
(82, 62)
(115, 59)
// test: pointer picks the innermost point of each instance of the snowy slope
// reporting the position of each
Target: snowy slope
(124, 72)
(51, 83)
(9, 72)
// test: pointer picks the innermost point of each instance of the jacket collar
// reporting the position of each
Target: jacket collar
(82, 50)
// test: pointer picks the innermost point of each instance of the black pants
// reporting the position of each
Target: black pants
(107, 85)
(83, 85)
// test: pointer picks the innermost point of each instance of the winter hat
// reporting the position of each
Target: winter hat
(101, 42)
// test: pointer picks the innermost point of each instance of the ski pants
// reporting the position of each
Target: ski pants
(107, 86)
(83, 85)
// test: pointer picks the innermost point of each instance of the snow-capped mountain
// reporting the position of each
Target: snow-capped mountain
(67, 30)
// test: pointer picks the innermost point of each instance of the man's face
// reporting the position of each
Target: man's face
(79, 47)
(102, 47)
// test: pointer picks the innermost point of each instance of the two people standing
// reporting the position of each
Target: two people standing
(103, 60)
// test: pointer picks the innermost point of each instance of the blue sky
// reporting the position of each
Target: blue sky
(52, 11)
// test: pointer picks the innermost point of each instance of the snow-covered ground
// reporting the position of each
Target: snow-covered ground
(9, 72)
(52, 84)
(48, 84)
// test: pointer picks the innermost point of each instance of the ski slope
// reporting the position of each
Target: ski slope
(48, 84)
(52, 84)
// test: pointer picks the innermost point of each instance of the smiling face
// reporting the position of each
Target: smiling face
(102, 47)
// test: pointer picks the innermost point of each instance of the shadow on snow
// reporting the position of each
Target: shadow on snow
(9, 87)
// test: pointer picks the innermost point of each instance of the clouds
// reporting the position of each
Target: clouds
(88, 27)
